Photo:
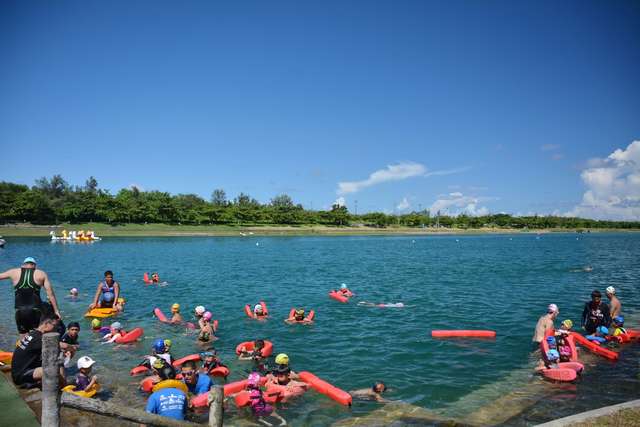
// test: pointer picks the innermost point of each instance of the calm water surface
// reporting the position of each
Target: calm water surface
(500, 282)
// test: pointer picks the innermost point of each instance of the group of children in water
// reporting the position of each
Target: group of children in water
(160, 361)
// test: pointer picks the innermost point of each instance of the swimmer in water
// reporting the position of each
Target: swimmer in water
(344, 290)
(298, 317)
(258, 311)
(115, 333)
(206, 333)
(107, 292)
(383, 305)
(175, 310)
(616, 307)
(73, 293)
(119, 305)
(373, 393)
(155, 278)
(545, 322)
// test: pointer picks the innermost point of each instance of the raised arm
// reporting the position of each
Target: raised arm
(585, 315)
(51, 295)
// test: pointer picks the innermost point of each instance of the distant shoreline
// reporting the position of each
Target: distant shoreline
(162, 230)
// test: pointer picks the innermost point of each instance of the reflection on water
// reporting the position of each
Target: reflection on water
(479, 282)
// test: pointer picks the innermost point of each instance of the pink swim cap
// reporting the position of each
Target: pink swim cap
(253, 380)
(207, 315)
(255, 394)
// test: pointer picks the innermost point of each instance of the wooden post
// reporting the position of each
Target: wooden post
(50, 379)
(216, 411)
(108, 409)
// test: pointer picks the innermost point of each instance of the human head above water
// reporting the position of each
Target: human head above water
(299, 314)
(596, 296)
(379, 387)
(610, 291)
(108, 275)
(199, 310)
(29, 260)
(553, 310)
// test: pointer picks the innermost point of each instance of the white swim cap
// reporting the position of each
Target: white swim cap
(552, 308)
(74, 290)
(116, 325)
(200, 309)
(257, 307)
(343, 286)
(611, 290)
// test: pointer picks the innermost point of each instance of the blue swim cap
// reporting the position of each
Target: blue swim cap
(108, 296)
(158, 345)
(551, 340)
(619, 320)
(603, 330)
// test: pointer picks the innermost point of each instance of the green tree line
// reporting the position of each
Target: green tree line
(53, 200)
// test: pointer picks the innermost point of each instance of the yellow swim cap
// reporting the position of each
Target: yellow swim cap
(121, 300)
(282, 359)
(300, 311)
(175, 307)
(167, 343)
(567, 323)
(96, 323)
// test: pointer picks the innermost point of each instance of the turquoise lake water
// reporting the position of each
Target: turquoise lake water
(497, 282)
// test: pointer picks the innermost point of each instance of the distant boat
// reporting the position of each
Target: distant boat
(2, 242)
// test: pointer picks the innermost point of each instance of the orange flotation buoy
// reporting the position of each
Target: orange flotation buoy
(463, 334)
(251, 314)
(130, 337)
(593, 347)
(292, 317)
(267, 350)
(326, 388)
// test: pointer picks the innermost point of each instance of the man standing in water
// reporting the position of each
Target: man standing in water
(27, 282)
(544, 323)
(616, 307)
(595, 313)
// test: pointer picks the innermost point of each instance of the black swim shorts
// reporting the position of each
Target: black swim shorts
(27, 318)
(25, 378)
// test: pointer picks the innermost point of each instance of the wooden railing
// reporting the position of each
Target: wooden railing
(53, 399)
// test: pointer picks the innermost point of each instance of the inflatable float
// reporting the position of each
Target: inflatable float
(560, 374)
(101, 312)
(131, 336)
(138, 370)
(544, 346)
(179, 362)
(88, 392)
(160, 315)
(251, 314)
(229, 390)
(170, 384)
(338, 296)
(6, 357)
(593, 347)
(267, 350)
(292, 317)
(323, 387)
(463, 334)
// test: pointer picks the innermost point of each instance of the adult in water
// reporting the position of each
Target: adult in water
(27, 282)
(373, 393)
(545, 322)
(616, 307)
(595, 313)
(107, 292)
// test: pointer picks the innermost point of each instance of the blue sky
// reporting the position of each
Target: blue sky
(492, 106)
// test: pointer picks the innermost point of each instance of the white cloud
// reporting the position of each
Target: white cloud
(550, 147)
(138, 186)
(340, 201)
(457, 203)
(396, 172)
(391, 173)
(613, 186)
(403, 205)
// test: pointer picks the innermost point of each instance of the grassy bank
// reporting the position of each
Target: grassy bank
(624, 418)
(159, 230)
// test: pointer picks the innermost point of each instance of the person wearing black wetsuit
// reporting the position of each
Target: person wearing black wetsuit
(28, 303)
(595, 313)
(27, 282)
